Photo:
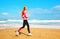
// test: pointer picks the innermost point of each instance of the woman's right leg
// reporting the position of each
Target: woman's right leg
(22, 26)
(19, 30)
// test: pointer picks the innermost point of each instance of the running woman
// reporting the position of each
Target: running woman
(25, 21)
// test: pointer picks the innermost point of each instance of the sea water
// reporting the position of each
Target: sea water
(15, 24)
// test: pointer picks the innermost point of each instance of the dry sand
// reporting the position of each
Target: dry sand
(37, 33)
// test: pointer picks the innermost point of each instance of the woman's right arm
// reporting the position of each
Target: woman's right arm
(22, 14)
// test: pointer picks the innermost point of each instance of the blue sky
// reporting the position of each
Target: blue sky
(37, 9)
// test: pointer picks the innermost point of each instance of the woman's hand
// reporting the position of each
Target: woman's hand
(27, 15)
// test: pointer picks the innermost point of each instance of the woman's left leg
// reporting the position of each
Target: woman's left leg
(28, 27)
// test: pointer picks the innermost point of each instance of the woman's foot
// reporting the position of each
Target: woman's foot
(29, 34)
(17, 33)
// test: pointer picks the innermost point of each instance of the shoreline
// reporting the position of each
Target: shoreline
(7, 26)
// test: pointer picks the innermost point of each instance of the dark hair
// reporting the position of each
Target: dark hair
(24, 7)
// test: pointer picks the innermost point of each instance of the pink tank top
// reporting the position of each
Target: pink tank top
(24, 13)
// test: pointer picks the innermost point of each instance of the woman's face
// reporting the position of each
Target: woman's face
(25, 8)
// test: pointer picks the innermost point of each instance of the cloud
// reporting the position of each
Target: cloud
(4, 16)
(57, 7)
(5, 13)
(39, 11)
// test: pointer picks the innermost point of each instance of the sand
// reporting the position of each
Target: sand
(37, 33)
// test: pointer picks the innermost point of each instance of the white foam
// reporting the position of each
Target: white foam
(46, 26)
(5, 26)
(32, 21)
(3, 21)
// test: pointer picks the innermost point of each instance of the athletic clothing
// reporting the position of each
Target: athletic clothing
(24, 13)
(25, 22)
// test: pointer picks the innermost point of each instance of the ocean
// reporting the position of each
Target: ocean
(33, 24)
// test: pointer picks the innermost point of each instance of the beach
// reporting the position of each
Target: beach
(43, 30)
(37, 33)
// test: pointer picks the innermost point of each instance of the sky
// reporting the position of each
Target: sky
(37, 9)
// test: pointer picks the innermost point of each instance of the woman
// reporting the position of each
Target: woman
(25, 21)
